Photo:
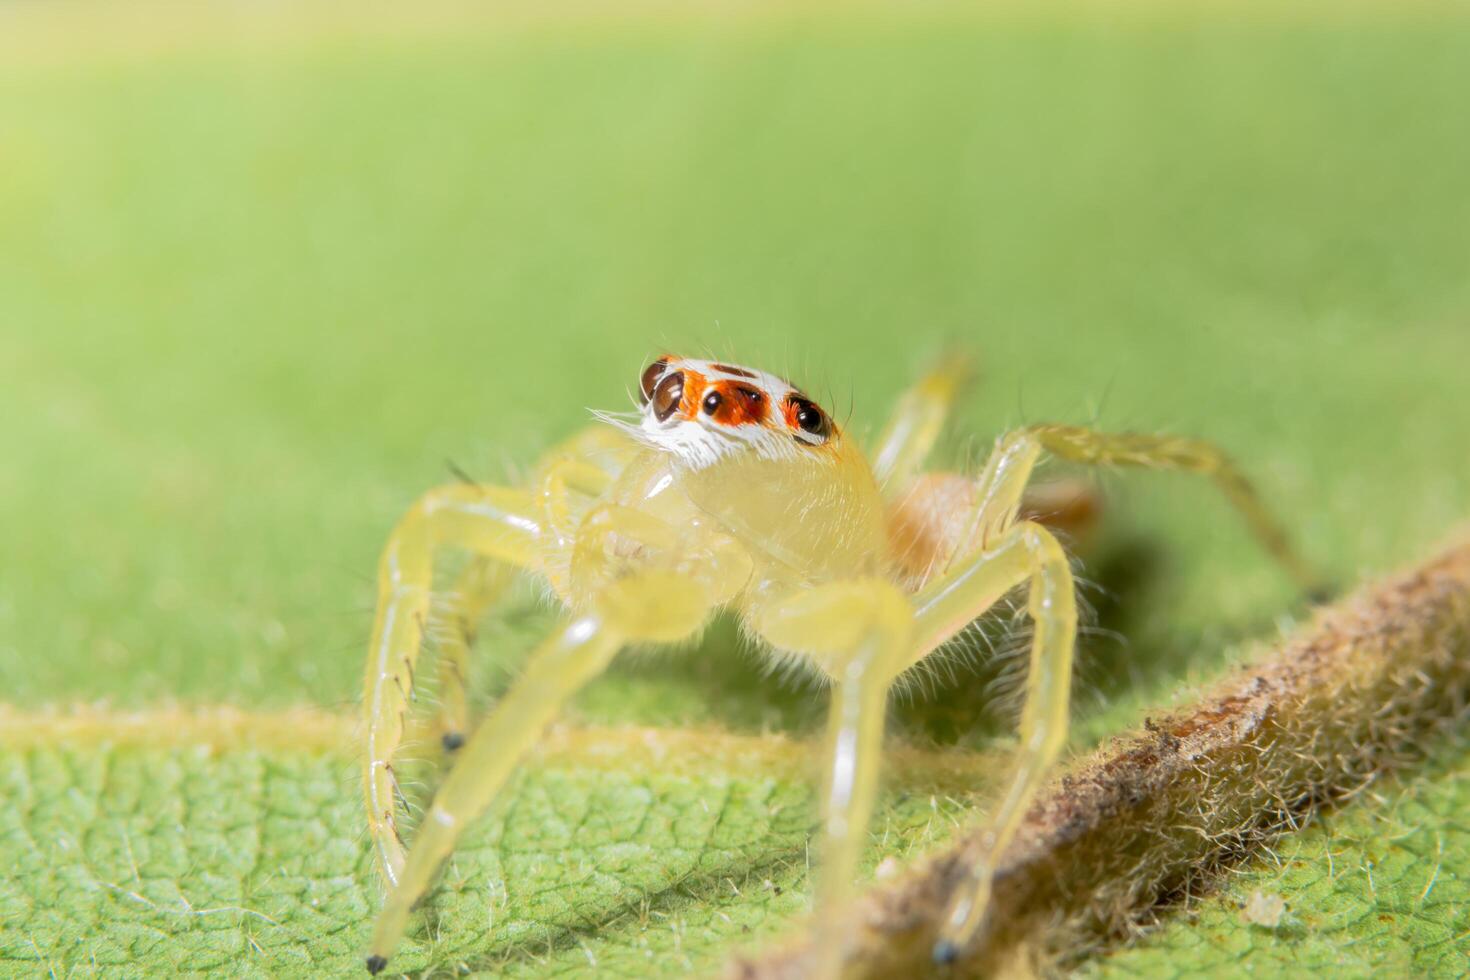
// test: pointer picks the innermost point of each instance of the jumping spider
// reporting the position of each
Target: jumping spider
(731, 488)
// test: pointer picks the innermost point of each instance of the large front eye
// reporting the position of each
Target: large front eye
(667, 395)
(810, 419)
(651, 374)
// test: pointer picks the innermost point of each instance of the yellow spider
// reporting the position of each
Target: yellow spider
(733, 489)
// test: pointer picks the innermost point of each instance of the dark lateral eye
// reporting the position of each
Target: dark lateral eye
(812, 419)
(667, 395)
(651, 374)
(712, 402)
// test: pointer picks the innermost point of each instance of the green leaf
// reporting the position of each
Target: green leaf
(176, 842)
(264, 272)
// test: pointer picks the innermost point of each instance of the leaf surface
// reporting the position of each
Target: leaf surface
(174, 843)
(264, 274)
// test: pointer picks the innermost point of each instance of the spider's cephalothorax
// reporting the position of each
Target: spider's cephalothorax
(756, 455)
(733, 489)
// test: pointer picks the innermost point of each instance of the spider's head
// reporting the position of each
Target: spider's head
(704, 411)
(765, 461)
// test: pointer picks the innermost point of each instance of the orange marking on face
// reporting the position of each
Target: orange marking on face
(788, 413)
(733, 403)
(694, 386)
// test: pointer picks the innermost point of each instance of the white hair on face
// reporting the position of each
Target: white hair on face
(701, 441)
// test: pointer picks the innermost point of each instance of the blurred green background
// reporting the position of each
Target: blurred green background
(264, 274)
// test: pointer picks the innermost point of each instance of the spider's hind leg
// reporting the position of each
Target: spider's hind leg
(1003, 483)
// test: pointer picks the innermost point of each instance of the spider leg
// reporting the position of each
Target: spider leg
(480, 585)
(1027, 551)
(579, 651)
(859, 633)
(1003, 483)
(929, 521)
(917, 421)
(494, 522)
(577, 470)
(659, 604)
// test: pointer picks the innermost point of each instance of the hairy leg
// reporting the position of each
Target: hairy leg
(1027, 552)
(492, 521)
(1002, 485)
(480, 585)
(566, 480)
(569, 475)
(859, 632)
(917, 421)
(578, 652)
(660, 602)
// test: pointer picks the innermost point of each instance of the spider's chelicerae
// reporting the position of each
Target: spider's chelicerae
(734, 489)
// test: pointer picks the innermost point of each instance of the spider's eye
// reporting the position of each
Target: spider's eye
(651, 374)
(810, 419)
(666, 395)
(712, 402)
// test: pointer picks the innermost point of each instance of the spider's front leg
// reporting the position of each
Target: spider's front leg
(571, 474)
(859, 633)
(1027, 551)
(568, 477)
(493, 522)
(663, 595)
(480, 585)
